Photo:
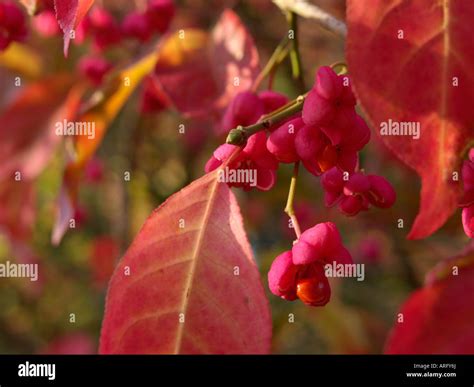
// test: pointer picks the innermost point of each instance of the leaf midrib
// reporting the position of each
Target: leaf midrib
(194, 260)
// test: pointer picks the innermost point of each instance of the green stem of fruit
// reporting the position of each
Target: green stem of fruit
(277, 57)
(340, 68)
(466, 149)
(289, 209)
(280, 59)
(295, 58)
(297, 72)
(240, 135)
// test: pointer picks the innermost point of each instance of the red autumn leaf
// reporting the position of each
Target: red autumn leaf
(409, 62)
(69, 14)
(105, 251)
(27, 135)
(17, 212)
(183, 293)
(213, 67)
(438, 318)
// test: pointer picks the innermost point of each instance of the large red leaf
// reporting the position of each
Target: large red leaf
(439, 317)
(189, 270)
(412, 79)
(104, 253)
(214, 67)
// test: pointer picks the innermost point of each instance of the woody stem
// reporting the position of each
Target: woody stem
(277, 57)
(239, 135)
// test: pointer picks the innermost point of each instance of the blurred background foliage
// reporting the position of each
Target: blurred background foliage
(36, 317)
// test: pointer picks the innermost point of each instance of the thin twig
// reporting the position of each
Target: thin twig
(278, 55)
(311, 11)
(239, 135)
(295, 58)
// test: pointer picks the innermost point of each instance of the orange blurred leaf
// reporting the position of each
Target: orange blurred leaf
(104, 107)
(27, 135)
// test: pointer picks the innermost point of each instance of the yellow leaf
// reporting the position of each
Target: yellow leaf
(181, 46)
(21, 59)
(112, 100)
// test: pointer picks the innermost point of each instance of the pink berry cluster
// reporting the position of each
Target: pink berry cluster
(44, 21)
(247, 108)
(155, 19)
(106, 31)
(12, 24)
(329, 132)
(357, 192)
(299, 272)
(94, 68)
(467, 201)
(326, 138)
(102, 27)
